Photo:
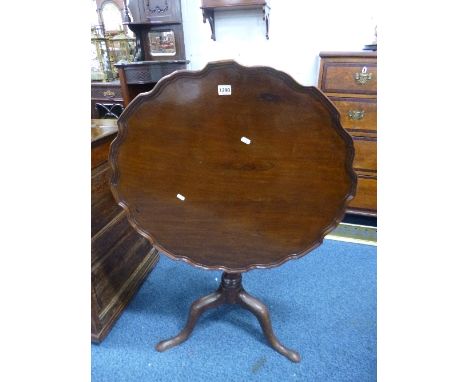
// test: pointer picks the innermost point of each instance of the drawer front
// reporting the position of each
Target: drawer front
(350, 77)
(141, 74)
(365, 154)
(110, 274)
(100, 152)
(365, 200)
(358, 115)
(104, 208)
(106, 93)
(109, 236)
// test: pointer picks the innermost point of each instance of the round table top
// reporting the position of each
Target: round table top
(232, 167)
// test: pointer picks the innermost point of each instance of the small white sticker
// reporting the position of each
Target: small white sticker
(245, 140)
(181, 197)
(224, 89)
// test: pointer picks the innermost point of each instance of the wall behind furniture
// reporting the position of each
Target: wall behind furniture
(299, 30)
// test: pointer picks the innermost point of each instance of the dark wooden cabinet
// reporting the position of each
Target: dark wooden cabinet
(160, 48)
(139, 77)
(105, 93)
(349, 79)
(120, 257)
(155, 11)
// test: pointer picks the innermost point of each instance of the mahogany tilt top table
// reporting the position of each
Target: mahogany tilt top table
(232, 168)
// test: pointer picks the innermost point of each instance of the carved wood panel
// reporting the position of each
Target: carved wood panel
(155, 11)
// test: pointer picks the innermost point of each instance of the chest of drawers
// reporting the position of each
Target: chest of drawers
(120, 257)
(349, 79)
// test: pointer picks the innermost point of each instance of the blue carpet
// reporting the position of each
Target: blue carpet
(322, 305)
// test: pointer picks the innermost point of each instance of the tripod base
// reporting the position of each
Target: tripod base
(230, 292)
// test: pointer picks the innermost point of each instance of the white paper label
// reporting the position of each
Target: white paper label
(224, 89)
(181, 197)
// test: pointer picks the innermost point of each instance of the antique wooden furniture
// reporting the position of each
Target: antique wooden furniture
(209, 7)
(160, 47)
(107, 94)
(120, 257)
(139, 77)
(232, 168)
(349, 79)
(155, 11)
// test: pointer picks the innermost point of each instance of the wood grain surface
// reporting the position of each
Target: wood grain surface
(233, 182)
(120, 257)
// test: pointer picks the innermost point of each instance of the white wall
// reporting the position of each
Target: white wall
(299, 30)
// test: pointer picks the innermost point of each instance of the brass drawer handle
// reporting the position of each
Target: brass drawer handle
(356, 115)
(109, 93)
(363, 77)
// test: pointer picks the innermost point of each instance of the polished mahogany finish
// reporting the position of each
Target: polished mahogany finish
(349, 79)
(230, 292)
(232, 182)
(233, 168)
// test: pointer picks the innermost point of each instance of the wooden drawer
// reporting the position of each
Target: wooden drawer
(144, 72)
(103, 206)
(365, 201)
(102, 92)
(109, 236)
(349, 77)
(110, 275)
(358, 115)
(365, 157)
